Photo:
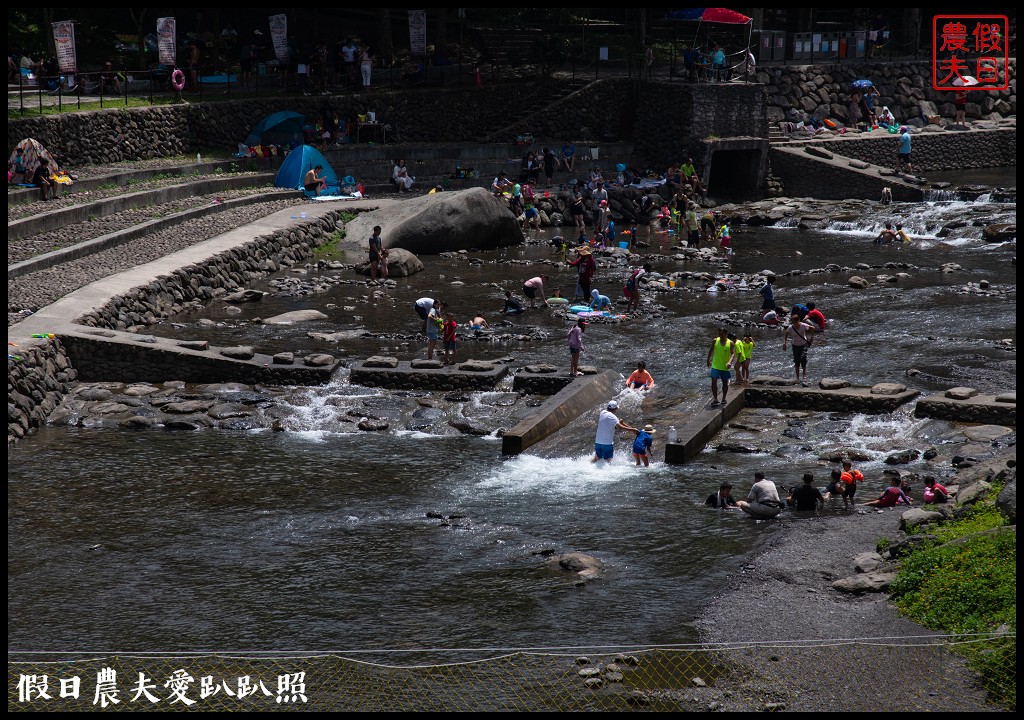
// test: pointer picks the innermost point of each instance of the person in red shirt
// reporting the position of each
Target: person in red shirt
(891, 496)
(815, 317)
(934, 492)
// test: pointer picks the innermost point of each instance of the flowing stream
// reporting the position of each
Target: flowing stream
(319, 537)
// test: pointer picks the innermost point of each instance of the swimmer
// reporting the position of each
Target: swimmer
(479, 323)
(886, 236)
(640, 379)
(902, 234)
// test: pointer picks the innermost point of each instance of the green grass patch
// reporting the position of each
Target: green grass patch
(329, 250)
(965, 583)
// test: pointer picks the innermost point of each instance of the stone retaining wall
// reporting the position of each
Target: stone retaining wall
(858, 400)
(100, 359)
(804, 175)
(540, 383)
(38, 378)
(666, 120)
(823, 91)
(406, 377)
(231, 270)
(939, 150)
(980, 409)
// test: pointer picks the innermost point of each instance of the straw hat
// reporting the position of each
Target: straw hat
(649, 429)
(583, 250)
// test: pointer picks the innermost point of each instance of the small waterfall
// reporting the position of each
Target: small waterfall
(941, 195)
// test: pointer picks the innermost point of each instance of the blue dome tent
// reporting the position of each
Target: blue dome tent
(280, 128)
(298, 163)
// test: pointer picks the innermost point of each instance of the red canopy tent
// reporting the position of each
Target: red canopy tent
(721, 16)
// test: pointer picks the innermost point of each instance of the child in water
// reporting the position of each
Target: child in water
(642, 445)
(744, 351)
(725, 239)
(599, 302)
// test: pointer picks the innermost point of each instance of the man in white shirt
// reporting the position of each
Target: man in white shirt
(348, 60)
(763, 500)
(607, 423)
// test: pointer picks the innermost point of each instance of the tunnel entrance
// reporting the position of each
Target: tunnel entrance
(735, 168)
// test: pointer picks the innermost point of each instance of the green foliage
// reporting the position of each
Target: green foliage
(967, 584)
(329, 250)
(962, 587)
(882, 545)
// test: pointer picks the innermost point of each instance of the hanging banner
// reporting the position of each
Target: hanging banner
(418, 32)
(279, 36)
(167, 41)
(64, 39)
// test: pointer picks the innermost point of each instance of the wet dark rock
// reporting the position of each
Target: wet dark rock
(380, 361)
(241, 352)
(369, 425)
(902, 457)
(318, 360)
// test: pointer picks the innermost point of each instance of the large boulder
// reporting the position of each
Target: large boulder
(401, 263)
(442, 222)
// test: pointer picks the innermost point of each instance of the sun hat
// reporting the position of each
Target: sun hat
(649, 429)
(613, 405)
(904, 128)
(583, 250)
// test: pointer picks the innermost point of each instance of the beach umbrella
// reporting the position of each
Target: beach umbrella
(861, 84)
(965, 81)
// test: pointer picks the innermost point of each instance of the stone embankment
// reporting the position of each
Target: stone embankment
(823, 91)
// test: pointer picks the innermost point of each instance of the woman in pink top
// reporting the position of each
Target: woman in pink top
(533, 287)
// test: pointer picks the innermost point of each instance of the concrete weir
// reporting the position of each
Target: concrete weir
(391, 373)
(838, 395)
(582, 394)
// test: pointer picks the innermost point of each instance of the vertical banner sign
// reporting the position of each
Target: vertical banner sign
(64, 39)
(418, 32)
(279, 36)
(167, 41)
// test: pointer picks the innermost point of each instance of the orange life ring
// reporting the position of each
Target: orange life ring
(178, 79)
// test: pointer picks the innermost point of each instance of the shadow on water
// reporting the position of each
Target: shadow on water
(319, 537)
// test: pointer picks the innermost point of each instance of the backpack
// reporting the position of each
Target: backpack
(631, 281)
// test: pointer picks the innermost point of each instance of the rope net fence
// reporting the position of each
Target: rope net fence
(930, 673)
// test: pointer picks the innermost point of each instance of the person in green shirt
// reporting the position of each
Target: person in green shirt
(721, 357)
(691, 176)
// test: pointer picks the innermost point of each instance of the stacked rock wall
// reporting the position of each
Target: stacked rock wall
(904, 87)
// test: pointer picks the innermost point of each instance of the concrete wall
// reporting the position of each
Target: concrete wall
(130, 358)
(584, 394)
(406, 377)
(804, 175)
(979, 409)
(939, 150)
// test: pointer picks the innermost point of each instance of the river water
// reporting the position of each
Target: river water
(319, 537)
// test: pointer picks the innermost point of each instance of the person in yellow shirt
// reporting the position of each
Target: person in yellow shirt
(901, 234)
(721, 357)
(744, 351)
